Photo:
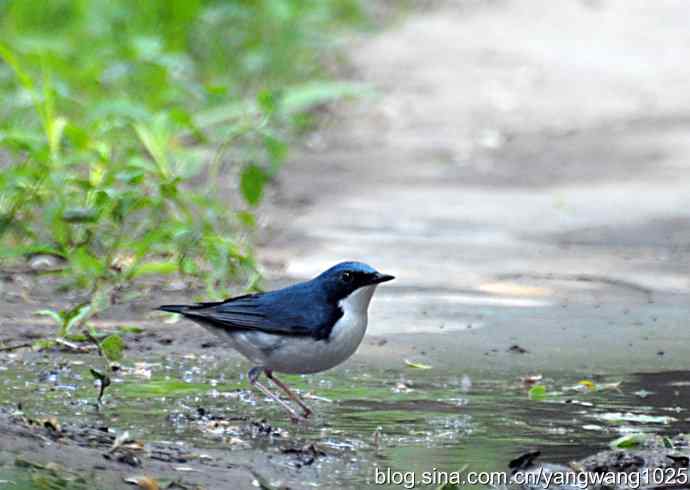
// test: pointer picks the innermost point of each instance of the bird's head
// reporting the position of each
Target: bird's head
(346, 278)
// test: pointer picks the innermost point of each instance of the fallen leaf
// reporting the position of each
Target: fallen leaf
(416, 365)
(537, 392)
(587, 384)
(142, 481)
(629, 441)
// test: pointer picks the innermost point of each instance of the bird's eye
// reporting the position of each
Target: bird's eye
(347, 277)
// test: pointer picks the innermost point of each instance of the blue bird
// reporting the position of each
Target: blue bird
(308, 327)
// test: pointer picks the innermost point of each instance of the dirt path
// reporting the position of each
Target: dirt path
(523, 170)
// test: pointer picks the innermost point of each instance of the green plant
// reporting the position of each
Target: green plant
(67, 319)
(123, 123)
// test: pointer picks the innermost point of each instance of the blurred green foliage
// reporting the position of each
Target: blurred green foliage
(111, 110)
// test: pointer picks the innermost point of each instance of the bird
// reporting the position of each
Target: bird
(305, 328)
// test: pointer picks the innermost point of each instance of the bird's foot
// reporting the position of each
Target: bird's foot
(295, 417)
(306, 411)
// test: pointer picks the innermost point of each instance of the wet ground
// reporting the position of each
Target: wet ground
(191, 420)
(524, 172)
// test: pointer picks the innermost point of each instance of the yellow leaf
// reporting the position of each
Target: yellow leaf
(416, 365)
(143, 481)
(587, 384)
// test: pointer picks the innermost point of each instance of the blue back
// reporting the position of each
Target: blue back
(309, 308)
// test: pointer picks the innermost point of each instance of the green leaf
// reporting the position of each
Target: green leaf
(267, 100)
(246, 218)
(52, 314)
(113, 347)
(537, 392)
(152, 268)
(629, 441)
(26, 250)
(55, 129)
(154, 140)
(86, 263)
(23, 77)
(277, 151)
(252, 181)
(74, 316)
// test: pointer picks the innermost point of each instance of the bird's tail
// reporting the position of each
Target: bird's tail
(174, 308)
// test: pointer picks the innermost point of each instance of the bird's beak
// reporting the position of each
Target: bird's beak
(378, 278)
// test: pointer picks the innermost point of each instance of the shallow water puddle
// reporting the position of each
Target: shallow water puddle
(408, 420)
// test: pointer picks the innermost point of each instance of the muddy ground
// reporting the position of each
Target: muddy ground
(524, 171)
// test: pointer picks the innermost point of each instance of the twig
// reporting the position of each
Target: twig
(14, 347)
(73, 346)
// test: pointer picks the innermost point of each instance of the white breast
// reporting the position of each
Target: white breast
(302, 355)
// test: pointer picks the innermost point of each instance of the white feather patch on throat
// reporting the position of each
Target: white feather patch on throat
(350, 328)
(358, 301)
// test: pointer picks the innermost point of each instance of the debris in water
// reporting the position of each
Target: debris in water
(142, 481)
(465, 383)
(586, 386)
(416, 365)
(629, 441)
(580, 403)
(401, 387)
(306, 455)
(616, 417)
(52, 424)
(531, 379)
(523, 461)
(537, 392)
(516, 349)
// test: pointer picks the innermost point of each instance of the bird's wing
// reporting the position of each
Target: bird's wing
(269, 312)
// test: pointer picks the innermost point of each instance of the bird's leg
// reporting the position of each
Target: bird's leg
(306, 411)
(253, 376)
